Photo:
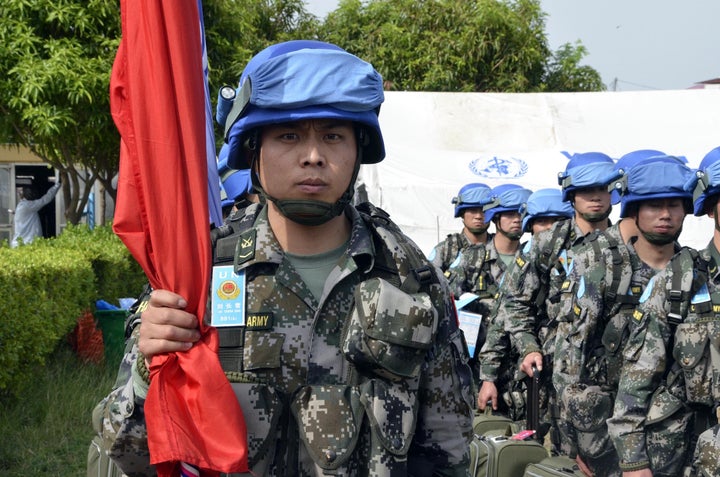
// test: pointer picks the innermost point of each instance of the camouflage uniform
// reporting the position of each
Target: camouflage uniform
(598, 299)
(447, 251)
(669, 386)
(529, 305)
(706, 462)
(499, 361)
(348, 384)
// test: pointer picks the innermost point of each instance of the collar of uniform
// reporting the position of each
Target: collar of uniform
(360, 247)
(267, 248)
(714, 259)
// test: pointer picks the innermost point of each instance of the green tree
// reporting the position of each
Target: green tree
(55, 67)
(565, 73)
(448, 45)
(54, 74)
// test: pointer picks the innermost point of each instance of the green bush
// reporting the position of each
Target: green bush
(46, 285)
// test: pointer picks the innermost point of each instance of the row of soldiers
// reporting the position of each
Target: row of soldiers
(621, 321)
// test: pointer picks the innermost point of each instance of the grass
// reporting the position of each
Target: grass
(47, 429)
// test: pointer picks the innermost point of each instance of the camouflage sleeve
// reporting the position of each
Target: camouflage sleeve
(457, 273)
(444, 426)
(120, 420)
(517, 310)
(494, 352)
(645, 363)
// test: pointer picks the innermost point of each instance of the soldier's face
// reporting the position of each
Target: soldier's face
(474, 218)
(310, 160)
(510, 224)
(592, 201)
(661, 217)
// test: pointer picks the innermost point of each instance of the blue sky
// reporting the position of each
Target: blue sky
(643, 44)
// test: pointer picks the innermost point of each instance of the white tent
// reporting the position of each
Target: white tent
(437, 142)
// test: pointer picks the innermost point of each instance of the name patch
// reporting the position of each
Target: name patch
(259, 321)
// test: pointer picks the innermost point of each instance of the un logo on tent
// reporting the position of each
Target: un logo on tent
(498, 168)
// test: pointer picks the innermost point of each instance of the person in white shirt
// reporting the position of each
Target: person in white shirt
(27, 219)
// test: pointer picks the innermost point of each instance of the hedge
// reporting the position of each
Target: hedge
(46, 285)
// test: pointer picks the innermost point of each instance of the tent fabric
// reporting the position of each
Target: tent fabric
(157, 103)
(437, 142)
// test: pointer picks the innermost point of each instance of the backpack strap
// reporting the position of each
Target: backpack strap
(682, 292)
(421, 273)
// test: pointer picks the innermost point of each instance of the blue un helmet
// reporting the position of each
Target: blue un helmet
(657, 177)
(625, 163)
(234, 183)
(303, 80)
(505, 198)
(586, 170)
(544, 203)
(299, 80)
(471, 196)
(705, 183)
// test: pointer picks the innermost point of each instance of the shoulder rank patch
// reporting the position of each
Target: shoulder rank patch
(245, 248)
(259, 321)
(637, 315)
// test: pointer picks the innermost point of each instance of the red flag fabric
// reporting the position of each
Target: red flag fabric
(157, 103)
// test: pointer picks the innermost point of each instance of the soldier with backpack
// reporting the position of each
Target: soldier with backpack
(598, 299)
(531, 287)
(479, 267)
(668, 391)
(345, 354)
(469, 206)
(498, 361)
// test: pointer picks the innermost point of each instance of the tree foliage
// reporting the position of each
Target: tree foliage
(54, 73)
(57, 56)
(454, 45)
(565, 73)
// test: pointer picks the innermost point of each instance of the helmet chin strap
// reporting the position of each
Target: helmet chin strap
(595, 218)
(309, 212)
(658, 239)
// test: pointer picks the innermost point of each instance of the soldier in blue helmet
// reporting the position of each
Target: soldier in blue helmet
(668, 390)
(480, 267)
(498, 360)
(599, 296)
(532, 285)
(345, 354)
(469, 205)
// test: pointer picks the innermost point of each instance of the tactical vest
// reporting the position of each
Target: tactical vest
(225, 241)
(694, 319)
(410, 275)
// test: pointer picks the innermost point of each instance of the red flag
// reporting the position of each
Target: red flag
(157, 102)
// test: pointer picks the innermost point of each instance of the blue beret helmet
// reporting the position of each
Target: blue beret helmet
(544, 203)
(656, 177)
(705, 183)
(299, 80)
(586, 170)
(471, 196)
(505, 198)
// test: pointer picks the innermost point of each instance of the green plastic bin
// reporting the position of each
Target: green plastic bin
(112, 325)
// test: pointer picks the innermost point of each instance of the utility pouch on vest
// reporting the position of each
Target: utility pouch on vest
(588, 409)
(390, 331)
(697, 351)
(707, 453)
(668, 433)
(329, 420)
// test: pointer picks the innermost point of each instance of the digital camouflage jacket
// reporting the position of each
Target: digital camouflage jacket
(670, 384)
(371, 379)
